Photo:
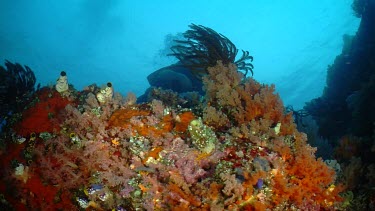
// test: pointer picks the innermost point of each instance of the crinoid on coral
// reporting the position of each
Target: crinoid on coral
(199, 48)
(203, 47)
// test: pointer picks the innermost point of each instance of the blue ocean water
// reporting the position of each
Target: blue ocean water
(292, 41)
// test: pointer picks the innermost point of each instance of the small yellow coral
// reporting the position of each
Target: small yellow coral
(115, 142)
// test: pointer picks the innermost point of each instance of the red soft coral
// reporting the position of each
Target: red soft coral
(43, 116)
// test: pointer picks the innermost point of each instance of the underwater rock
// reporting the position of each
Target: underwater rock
(176, 78)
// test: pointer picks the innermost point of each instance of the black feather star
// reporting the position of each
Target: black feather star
(17, 85)
(203, 47)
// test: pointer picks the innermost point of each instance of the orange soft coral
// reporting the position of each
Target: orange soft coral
(302, 176)
(240, 100)
(183, 120)
(144, 123)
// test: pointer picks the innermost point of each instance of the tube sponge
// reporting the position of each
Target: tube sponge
(62, 83)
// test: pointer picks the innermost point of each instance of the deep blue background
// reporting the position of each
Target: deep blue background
(292, 41)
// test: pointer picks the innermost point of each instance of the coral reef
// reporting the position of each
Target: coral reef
(235, 150)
